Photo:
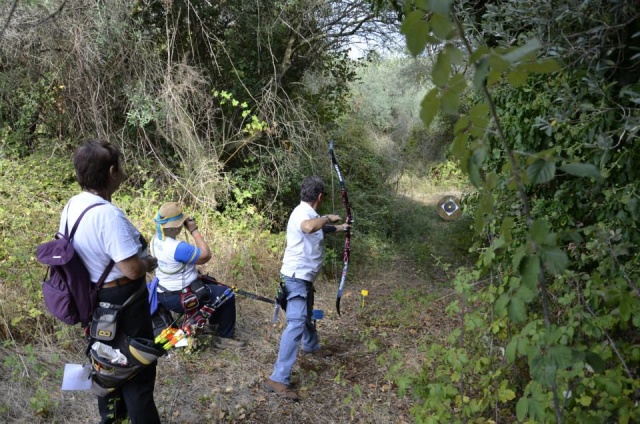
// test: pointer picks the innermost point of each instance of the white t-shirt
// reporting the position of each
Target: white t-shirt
(304, 252)
(176, 263)
(103, 234)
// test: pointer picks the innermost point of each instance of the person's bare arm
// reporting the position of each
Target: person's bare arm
(135, 267)
(205, 252)
(312, 225)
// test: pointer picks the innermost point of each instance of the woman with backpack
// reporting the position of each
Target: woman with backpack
(104, 235)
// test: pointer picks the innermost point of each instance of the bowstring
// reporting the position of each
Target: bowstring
(334, 265)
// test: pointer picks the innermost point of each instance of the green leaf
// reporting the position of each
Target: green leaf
(526, 294)
(519, 53)
(429, 106)
(543, 67)
(512, 349)
(459, 149)
(486, 203)
(522, 408)
(441, 25)
(440, 72)
(562, 356)
(416, 31)
(491, 180)
(451, 95)
(462, 124)
(543, 369)
(530, 271)
(596, 362)
(517, 77)
(479, 77)
(474, 163)
(456, 57)
(505, 395)
(539, 231)
(541, 171)
(554, 259)
(440, 6)
(505, 228)
(582, 170)
(517, 310)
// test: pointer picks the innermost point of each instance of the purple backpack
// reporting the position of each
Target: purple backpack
(68, 291)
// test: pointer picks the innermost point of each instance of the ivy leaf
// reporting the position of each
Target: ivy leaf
(541, 171)
(416, 31)
(582, 170)
(555, 259)
(429, 106)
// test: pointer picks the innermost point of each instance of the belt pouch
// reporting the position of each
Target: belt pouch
(104, 324)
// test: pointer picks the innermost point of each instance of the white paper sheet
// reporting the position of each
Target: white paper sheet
(76, 377)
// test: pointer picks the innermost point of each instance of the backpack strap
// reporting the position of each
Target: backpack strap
(106, 272)
(69, 236)
(75, 226)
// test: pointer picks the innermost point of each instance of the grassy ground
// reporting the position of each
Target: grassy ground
(378, 339)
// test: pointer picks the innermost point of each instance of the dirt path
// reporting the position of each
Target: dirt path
(353, 386)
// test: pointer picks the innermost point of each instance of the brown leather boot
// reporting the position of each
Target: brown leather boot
(281, 390)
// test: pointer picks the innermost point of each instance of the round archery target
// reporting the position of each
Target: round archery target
(449, 208)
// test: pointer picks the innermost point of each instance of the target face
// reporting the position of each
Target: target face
(449, 208)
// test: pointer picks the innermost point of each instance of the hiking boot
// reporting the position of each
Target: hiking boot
(280, 389)
(226, 343)
(321, 352)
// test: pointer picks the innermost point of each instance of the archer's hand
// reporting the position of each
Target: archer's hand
(333, 218)
(190, 224)
(343, 227)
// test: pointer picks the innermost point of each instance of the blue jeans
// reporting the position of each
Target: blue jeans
(300, 328)
(225, 315)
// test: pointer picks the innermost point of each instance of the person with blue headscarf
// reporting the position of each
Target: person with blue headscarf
(179, 288)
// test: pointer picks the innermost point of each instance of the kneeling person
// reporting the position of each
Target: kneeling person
(176, 271)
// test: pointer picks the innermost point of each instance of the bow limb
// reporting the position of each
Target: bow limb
(348, 220)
